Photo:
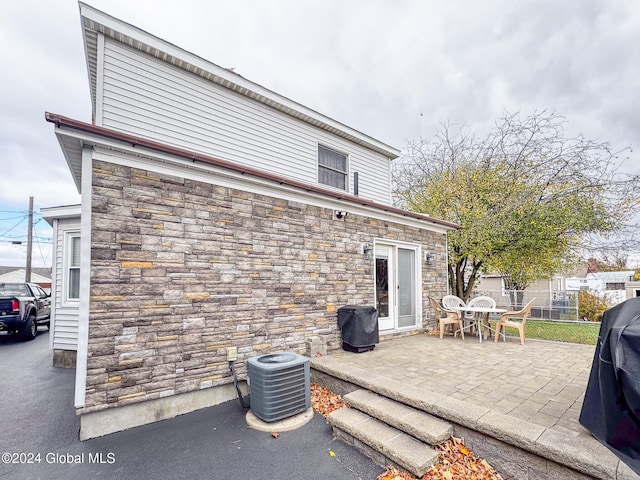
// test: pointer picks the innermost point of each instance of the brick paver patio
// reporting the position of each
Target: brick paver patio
(542, 382)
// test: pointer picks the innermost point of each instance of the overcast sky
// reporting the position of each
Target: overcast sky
(392, 69)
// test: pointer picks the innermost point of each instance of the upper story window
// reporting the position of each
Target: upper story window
(332, 168)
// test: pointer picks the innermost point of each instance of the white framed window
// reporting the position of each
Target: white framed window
(71, 280)
(332, 168)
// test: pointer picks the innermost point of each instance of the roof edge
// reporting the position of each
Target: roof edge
(60, 212)
(98, 21)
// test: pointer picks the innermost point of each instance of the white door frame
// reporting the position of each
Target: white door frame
(389, 248)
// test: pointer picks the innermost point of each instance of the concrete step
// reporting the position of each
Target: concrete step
(416, 423)
(381, 442)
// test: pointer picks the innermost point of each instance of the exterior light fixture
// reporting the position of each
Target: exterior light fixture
(428, 258)
(341, 213)
(366, 249)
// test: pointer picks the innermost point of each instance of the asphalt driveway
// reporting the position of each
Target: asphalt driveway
(39, 436)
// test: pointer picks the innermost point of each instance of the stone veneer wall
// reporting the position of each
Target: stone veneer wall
(181, 270)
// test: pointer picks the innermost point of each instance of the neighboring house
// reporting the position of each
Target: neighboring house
(545, 292)
(614, 284)
(218, 216)
(65, 285)
(587, 283)
(39, 275)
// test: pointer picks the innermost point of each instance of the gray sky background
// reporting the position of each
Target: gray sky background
(392, 69)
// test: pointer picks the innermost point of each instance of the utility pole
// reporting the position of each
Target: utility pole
(29, 241)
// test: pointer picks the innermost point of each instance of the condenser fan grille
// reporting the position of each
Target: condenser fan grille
(279, 385)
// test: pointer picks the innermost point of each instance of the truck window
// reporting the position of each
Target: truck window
(14, 289)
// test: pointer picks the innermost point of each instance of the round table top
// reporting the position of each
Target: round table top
(480, 309)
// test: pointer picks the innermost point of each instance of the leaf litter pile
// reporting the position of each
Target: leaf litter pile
(457, 462)
(325, 401)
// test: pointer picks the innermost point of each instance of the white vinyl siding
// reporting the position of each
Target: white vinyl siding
(64, 313)
(147, 97)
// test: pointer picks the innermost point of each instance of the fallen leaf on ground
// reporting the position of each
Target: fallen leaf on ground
(393, 473)
(275, 434)
(462, 449)
(331, 454)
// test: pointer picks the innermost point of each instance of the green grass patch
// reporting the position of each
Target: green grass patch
(571, 332)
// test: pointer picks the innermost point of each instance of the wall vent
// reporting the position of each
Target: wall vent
(279, 385)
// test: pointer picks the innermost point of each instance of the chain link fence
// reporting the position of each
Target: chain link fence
(554, 315)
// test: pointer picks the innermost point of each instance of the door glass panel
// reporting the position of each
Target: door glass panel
(406, 287)
(382, 283)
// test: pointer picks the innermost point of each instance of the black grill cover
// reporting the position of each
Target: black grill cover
(611, 408)
(359, 325)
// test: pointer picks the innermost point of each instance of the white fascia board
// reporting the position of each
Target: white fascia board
(61, 212)
(137, 38)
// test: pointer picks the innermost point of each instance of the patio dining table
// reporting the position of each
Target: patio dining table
(482, 319)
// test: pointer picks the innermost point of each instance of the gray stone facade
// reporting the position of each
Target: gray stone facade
(181, 270)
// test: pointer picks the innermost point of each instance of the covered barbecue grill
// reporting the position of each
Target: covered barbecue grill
(611, 407)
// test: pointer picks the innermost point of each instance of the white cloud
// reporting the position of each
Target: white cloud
(393, 70)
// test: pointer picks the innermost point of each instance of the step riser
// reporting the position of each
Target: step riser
(377, 457)
(390, 443)
(416, 423)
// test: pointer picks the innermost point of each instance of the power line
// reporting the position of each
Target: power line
(42, 240)
(5, 233)
(11, 218)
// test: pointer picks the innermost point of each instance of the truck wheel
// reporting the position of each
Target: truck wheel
(30, 328)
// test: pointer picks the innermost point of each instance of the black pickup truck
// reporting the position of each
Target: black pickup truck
(23, 306)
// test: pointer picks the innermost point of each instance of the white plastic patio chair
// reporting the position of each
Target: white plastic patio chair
(451, 301)
(481, 301)
(505, 321)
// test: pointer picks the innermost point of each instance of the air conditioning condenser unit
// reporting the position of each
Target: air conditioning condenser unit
(279, 385)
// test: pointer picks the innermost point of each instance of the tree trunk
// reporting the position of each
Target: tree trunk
(516, 298)
(459, 285)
